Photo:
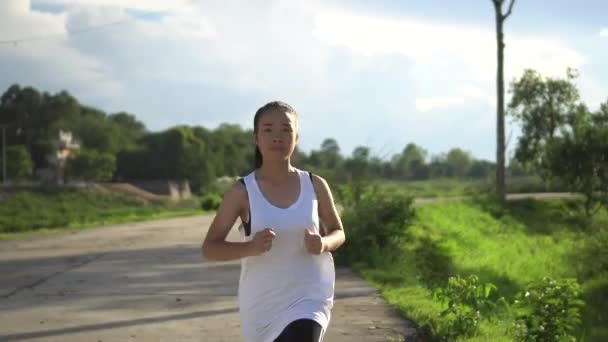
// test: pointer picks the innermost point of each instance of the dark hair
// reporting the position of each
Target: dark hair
(257, 159)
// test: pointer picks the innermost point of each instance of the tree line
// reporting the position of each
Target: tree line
(562, 139)
(119, 147)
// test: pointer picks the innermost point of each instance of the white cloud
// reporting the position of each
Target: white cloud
(595, 92)
(427, 43)
(432, 103)
(82, 59)
(604, 32)
(145, 65)
(463, 95)
(147, 5)
(443, 53)
(215, 61)
(41, 63)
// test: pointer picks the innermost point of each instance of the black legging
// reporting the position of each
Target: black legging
(302, 330)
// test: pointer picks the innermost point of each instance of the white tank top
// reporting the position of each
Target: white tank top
(286, 283)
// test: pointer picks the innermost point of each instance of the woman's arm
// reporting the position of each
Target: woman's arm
(328, 213)
(215, 246)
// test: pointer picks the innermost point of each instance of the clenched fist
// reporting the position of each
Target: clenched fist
(313, 242)
(262, 241)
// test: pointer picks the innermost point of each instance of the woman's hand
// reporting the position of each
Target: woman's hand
(262, 242)
(313, 242)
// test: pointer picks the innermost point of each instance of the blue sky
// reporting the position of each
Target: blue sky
(374, 73)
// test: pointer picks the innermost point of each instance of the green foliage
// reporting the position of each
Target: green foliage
(580, 158)
(542, 106)
(328, 157)
(551, 311)
(196, 153)
(375, 223)
(19, 164)
(211, 202)
(177, 153)
(410, 164)
(53, 208)
(90, 165)
(561, 139)
(459, 163)
(467, 304)
(592, 270)
(528, 241)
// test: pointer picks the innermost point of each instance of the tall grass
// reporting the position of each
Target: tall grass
(55, 208)
(529, 241)
(451, 187)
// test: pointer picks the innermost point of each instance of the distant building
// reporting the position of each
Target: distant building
(64, 147)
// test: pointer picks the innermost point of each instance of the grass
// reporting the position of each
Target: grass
(452, 187)
(533, 239)
(445, 187)
(56, 209)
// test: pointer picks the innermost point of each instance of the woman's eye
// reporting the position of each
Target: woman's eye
(267, 130)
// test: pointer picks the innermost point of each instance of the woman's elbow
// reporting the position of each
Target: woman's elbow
(206, 251)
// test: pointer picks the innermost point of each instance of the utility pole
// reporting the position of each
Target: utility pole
(3, 153)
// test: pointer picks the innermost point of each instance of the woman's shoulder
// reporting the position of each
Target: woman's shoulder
(236, 190)
(318, 181)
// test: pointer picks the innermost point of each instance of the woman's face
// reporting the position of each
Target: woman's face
(277, 134)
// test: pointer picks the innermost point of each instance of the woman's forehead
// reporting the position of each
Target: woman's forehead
(279, 116)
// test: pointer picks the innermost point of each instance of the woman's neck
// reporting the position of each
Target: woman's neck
(276, 170)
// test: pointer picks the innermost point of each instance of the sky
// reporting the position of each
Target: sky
(379, 73)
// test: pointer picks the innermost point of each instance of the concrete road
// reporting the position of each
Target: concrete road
(147, 282)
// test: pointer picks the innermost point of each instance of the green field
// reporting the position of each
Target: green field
(51, 209)
(450, 187)
(530, 241)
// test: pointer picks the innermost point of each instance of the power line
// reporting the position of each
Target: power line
(87, 29)
(16, 42)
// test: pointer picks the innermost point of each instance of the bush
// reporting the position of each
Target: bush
(468, 302)
(19, 164)
(550, 311)
(56, 207)
(375, 223)
(211, 201)
(90, 165)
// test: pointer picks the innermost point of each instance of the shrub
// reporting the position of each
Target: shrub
(374, 224)
(550, 311)
(211, 201)
(468, 302)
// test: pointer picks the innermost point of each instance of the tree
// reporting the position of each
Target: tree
(561, 139)
(411, 162)
(579, 157)
(129, 130)
(459, 162)
(330, 154)
(95, 133)
(438, 167)
(176, 154)
(357, 167)
(37, 118)
(516, 168)
(500, 98)
(19, 164)
(91, 166)
(543, 106)
(361, 153)
(481, 169)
